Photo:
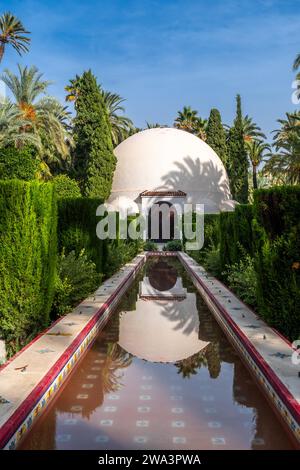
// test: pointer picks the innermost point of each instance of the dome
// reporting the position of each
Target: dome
(168, 160)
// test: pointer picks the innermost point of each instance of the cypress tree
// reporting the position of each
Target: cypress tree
(216, 135)
(237, 166)
(93, 157)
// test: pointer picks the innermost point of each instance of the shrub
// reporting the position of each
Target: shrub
(27, 259)
(173, 245)
(118, 253)
(241, 278)
(150, 246)
(212, 261)
(66, 187)
(76, 279)
(18, 163)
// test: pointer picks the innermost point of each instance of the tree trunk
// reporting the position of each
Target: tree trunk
(254, 177)
(1, 51)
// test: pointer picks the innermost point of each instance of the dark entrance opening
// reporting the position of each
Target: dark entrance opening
(166, 221)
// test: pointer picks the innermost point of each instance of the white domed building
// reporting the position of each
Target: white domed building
(168, 165)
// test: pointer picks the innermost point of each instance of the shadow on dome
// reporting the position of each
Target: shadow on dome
(206, 176)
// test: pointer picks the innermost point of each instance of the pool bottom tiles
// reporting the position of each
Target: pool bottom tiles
(161, 375)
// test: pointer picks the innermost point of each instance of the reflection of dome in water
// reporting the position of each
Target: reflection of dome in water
(162, 276)
(153, 334)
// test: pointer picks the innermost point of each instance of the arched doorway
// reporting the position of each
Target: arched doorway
(162, 213)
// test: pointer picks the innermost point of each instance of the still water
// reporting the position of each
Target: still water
(161, 375)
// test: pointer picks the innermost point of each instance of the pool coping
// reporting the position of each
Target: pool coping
(22, 416)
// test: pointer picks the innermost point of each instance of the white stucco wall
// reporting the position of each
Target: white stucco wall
(170, 159)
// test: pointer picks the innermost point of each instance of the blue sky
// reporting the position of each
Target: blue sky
(163, 54)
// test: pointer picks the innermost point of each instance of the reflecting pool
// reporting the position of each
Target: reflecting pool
(161, 375)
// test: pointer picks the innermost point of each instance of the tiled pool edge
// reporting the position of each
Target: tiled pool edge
(278, 395)
(21, 421)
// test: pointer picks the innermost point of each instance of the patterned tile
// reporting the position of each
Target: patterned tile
(101, 438)
(106, 422)
(70, 421)
(113, 397)
(144, 409)
(145, 397)
(179, 440)
(142, 423)
(218, 440)
(140, 439)
(214, 424)
(63, 437)
(178, 424)
(76, 408)
(110, 409)
(87, 385)
(177, 410)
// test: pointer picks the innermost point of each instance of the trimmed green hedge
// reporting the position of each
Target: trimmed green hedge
(77, 222)
(211, 235)
(277, 257)
(28, 252)
(235, 235)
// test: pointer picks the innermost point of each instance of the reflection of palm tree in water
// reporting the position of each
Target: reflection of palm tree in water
(111, 370)
(209, 357)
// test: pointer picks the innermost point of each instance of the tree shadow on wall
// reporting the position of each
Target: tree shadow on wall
(205, 176)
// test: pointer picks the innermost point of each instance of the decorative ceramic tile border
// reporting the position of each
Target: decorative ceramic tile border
(15, 428)
(283, 401)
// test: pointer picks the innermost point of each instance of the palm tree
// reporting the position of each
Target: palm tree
(257, 152)
(155, 125)
(46, 118)
(12, 32)
(187, 119)
(200, 128)
(296, 63)
(11, 121)
(251, 130)
(120, 125)
(284, 164)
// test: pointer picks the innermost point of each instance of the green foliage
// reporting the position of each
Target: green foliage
(27, 259)
(277, 257)
(76, 279)
(241, 278)
(119, 252)
(94, 161)
(173, 245)
(66, 187)
(237, 164)
(216, 135)
(236, 238)
(211, 236)
(150, 246)
(77, 223)
(18, 163)
(212, 262)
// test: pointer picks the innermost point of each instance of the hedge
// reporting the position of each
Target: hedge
(211, 235)
(235, 235)
(277, 257)
(28, 251)
(77, 222)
